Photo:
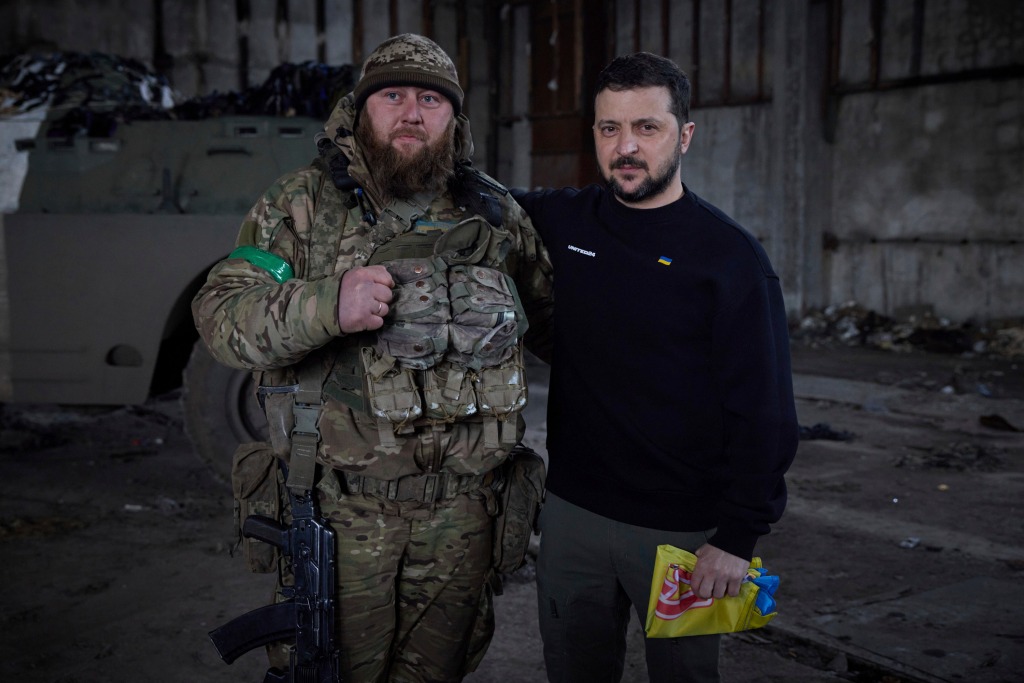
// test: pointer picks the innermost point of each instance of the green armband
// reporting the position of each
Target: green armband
(278, 268)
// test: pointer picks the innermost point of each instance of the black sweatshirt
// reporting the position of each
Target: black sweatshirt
(671, 400)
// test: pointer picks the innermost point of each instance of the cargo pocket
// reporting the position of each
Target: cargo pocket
(483, 630)
(278, 403)
(256, 485)
(520, 496)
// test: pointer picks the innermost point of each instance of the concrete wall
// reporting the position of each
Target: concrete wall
(881, 163)
(926, 205)
(927, 201)
(203, 46)
(891, 177)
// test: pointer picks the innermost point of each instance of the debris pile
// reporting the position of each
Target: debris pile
(824, 431)
(24, 527)
(956, 456)
(851, 324)
(1008, 341)
(92, 93)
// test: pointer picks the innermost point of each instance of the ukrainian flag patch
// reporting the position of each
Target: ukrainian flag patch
(665, 261)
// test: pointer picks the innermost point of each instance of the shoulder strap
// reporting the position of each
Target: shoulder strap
(324, 239)
(331, 211)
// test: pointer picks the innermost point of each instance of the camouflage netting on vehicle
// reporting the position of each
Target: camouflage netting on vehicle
(95, 81)
(93, 93)
(304, 89)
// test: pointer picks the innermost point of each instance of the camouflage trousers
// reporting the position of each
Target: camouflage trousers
(414, 604)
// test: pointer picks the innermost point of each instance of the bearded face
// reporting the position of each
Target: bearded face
(651, 185)
(640, 145)
(402, 170)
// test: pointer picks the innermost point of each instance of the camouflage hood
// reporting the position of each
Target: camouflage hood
(338, 135)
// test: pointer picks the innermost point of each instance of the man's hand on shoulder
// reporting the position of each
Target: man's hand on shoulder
(717, 572)
(363, 298)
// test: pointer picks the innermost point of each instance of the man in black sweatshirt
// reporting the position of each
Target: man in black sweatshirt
(670, 411)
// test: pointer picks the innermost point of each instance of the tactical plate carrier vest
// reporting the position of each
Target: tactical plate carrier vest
(448, 352)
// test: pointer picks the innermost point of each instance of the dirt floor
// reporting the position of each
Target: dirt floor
(901, 553)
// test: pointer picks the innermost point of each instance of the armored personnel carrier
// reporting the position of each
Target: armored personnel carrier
(114, 231)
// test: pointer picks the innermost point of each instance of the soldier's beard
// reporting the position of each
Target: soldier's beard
(401, 176)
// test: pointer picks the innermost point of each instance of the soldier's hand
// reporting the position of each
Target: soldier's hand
(363, 298)
(717, 572)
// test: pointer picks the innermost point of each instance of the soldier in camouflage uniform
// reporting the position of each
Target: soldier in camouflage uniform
(396, 280)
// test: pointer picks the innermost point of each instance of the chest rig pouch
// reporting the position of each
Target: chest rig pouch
(449, 349)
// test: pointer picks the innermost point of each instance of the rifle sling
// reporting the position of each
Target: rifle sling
(305, 434)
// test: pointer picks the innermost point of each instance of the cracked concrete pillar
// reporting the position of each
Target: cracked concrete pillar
(802, 157)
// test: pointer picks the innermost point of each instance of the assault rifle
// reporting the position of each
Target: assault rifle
(307, 615)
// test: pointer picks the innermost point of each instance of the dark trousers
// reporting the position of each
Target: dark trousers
(591, 569)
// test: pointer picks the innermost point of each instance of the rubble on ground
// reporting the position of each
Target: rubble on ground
(51, 525)
(955, 456)
(824, 431)
(851, 324)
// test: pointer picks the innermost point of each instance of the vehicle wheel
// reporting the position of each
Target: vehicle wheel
(220, 409)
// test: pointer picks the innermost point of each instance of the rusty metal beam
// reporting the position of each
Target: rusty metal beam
(357, 31)
(666, 32)
(877, 19)
(760, 49)
(727, 42)
(917, 38)
(243, 16)
(321, 31)
(695, 57)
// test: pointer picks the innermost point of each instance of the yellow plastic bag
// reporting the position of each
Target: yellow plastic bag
(674, 610)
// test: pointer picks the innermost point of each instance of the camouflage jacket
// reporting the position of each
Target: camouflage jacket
(250, 320)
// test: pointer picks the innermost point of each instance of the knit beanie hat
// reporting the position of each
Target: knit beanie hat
(409, 60)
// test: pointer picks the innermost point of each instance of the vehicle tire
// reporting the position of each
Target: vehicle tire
(220, 410)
